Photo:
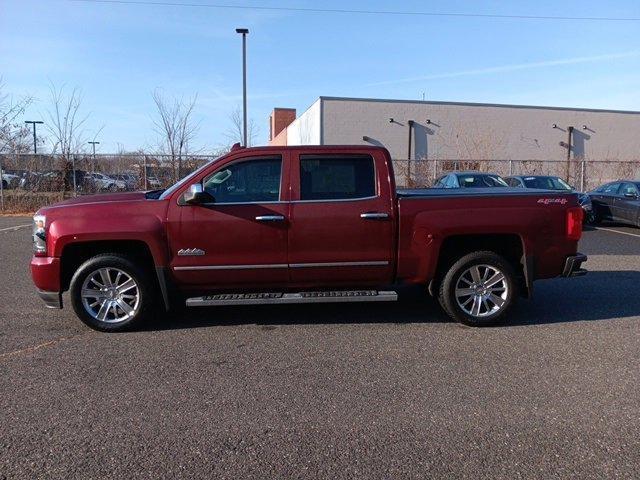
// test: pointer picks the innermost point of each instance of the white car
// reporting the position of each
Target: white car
(104, 182)
(153, 182)
(9, 180)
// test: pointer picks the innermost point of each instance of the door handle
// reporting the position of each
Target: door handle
(270, 218)
(374, 216)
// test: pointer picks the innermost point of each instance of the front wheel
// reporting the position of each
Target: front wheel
(479, 289)
(591, 217)
(110, 293)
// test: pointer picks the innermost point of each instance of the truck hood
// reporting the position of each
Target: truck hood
(102, 198)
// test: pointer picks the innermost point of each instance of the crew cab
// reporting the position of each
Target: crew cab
(272, 225)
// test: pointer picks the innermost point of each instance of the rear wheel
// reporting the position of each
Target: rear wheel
(111, 293)
(479, 289)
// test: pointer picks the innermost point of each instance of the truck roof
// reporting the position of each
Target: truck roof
(319, 148)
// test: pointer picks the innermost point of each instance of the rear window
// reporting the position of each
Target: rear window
(480, 181)
(339, 177)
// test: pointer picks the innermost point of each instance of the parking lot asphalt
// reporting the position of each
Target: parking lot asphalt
(329, 391)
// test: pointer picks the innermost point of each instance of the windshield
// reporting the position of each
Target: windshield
(546, 183)
(187, 179)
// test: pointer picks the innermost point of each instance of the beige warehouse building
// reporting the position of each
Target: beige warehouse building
(516, 138)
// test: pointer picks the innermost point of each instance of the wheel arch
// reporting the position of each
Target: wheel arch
(511, 246)
(76, 253)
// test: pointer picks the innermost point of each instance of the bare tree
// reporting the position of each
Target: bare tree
(14, 135)
(64, 124)
(177, 129)
(235, 131)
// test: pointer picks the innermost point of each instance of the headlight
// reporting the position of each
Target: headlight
(39, 235)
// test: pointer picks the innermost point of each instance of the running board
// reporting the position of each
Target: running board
(300, 297)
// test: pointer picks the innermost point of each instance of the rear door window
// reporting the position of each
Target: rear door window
(629, 188)
(337, 177)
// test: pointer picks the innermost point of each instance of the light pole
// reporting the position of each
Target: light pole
(35, 143)
(244, 32)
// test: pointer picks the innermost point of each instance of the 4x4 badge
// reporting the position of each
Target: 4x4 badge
(190, 252)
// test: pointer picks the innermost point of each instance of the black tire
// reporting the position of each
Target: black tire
(461, 268)
(5, 185)
(146, 298)
(593, 217)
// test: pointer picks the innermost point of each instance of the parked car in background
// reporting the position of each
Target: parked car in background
(470, 180)
(549, 182)
(617, 201)
(100, 181)
(153, 182)
(9, 180)
(53, 181)
(131, 180)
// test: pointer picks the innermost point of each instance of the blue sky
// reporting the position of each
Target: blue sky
(117, 54)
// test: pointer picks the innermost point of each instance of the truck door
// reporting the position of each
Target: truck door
(240, 238)
(342, 220)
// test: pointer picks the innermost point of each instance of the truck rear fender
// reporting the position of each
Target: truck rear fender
(510, 246)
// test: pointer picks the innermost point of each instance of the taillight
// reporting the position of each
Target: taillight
(574, 223)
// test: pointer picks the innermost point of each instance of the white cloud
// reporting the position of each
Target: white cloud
(511, 68)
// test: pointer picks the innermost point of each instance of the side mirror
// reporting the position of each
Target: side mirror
(196, 195)
(631, 195)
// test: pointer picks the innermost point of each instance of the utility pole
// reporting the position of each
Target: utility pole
(244, 32)
(94, 143)
(35, 142)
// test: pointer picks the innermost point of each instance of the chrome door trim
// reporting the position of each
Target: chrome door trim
(221, 204)
(377, 263)
(339, 264)
(230, 267)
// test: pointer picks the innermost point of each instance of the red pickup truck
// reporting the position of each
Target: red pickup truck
(272, 225)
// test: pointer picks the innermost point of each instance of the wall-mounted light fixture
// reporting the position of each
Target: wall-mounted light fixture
(391, 120)
(428, 121)
(554, 125)
(365, 138)
(584, 127)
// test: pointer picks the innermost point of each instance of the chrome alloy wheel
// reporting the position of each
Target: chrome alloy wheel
(482, 290)
(110, 295)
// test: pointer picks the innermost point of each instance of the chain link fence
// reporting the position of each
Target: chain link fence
(584, 175)
(32, 181)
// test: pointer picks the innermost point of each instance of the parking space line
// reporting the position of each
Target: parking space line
(618, 231)
(11, 229)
